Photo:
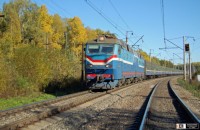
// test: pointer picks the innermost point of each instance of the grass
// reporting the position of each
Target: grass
(194, 87)
(19, 101)
(36, 97)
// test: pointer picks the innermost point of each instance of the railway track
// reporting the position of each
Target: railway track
(153, 119)
(25, 115)
(29, 116)
(163, 109)
(10, 117)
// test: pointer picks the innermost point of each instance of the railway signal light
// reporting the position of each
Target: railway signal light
(187, 47)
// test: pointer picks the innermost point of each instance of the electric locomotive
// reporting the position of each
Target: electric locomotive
(110, 63)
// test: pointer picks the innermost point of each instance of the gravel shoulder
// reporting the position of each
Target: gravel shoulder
(191, 101)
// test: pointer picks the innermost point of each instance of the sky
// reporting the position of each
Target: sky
(142, 17)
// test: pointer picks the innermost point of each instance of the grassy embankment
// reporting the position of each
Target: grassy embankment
(12, 102)
(194, 87)
(19, 101)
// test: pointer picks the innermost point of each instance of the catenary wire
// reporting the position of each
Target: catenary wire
(64, 10)
(103, 15)
(163, 19)
(122, 19)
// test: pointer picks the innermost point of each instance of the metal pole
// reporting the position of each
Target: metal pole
(190, 73)
(127, 36)
(184, 65)
(82, 65)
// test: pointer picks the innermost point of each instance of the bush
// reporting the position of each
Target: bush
(8, 76)
(32, 64)
(34, 69)
(66, 70)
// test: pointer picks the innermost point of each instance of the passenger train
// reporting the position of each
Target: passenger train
(110, 63)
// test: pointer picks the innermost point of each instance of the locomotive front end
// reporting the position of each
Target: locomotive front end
(100, 63)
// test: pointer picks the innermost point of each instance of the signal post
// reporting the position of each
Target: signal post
(187, 50)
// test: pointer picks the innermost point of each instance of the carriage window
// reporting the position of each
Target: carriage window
(93, 48)
(107, 49)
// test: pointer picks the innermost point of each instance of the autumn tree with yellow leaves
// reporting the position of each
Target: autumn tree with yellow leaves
(11, 36)
(76, 35)
(58, 32)
(91, 33)
(45, 22)
(144, 55)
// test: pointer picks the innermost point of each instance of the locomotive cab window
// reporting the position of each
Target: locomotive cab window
(107, 49)
(93, 48)
(101, 48)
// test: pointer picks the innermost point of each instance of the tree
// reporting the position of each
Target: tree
(155, 60)
(11, 31)
(91, 34)
(31, 31)
(144, 55)
(13, 22)
(76, 34)
(58, 32)
(99, 31)
(45, 23)
(45, 20)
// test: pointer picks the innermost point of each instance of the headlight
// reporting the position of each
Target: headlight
(90, 65)
(108, 66)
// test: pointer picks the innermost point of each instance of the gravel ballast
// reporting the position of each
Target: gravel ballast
(113, 111)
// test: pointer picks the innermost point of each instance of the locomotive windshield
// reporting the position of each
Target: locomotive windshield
(100, 48)
(93, 48)
(107, 49)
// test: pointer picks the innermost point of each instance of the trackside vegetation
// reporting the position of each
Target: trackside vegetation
(194, 87)
(19, 101)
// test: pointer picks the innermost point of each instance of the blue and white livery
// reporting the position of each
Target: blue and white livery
(110, 62)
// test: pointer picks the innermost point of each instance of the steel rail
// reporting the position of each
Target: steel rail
(186, 108)
(147, 107)
(28, 120)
